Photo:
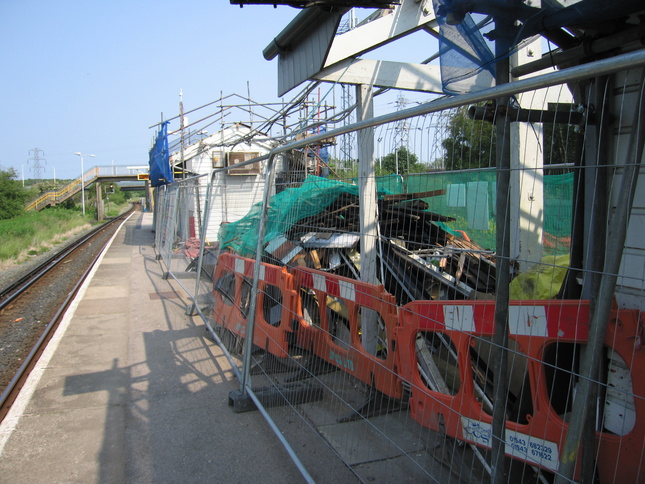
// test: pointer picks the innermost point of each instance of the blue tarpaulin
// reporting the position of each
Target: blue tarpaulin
(160, 170)
(324, 156)
(467, 63)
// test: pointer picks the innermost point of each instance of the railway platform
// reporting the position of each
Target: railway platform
(130, 389)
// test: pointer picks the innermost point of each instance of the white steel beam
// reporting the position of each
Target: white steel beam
(404, 19)
(399, 75)
(368, 217)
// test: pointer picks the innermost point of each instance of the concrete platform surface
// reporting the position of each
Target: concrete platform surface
(131, 390)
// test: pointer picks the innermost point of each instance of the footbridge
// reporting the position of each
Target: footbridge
(97, 174)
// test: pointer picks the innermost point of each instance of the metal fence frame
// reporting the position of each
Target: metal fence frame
(167, 212)
(173, 205)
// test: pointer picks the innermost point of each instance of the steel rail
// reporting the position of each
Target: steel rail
(23, 283)
(38, 347)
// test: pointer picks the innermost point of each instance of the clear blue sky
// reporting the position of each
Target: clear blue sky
(93, 76)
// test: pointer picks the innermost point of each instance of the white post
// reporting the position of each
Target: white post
(82, 179)
(368, 208)
(527, 175)
(82, 185)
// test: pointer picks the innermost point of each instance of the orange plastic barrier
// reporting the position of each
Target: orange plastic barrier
(536, 437)
(275, 308)
(440, 348)
(332, 309)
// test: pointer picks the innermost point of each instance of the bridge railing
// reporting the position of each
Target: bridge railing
(114, 170)
(54, 197)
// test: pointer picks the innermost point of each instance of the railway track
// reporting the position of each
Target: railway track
(32, 305)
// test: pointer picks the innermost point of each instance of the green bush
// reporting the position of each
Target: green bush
(12, 195)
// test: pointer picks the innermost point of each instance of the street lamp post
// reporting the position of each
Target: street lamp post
(82, 179)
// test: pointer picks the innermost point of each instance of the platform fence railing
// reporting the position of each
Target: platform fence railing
(177, 231)
(374, 329)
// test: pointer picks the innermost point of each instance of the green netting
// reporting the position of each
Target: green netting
(469, 198)
(285, 209)
(558, 204)
(388, 183)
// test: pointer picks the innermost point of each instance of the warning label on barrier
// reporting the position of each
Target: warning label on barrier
(518, 445)
(459, 318)
(527, 320)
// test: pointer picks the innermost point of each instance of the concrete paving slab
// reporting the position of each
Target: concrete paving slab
(65, 446)
(65, 390)
(107, 292)
(400, 469)
(99, 322)
(320, 459)
(359, 442)
(110, 306)
(345, 389)
(177, 367)
(114, 278)
(116, 267)
(91, 351)
(116, 260)
(184, 276)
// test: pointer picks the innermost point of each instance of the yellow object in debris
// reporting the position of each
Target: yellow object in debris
(338, 306)
(542, 281)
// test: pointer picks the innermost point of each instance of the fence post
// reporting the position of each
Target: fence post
(250, 328)
(202, 238)
(500, 338)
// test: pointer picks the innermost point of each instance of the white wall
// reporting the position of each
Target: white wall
(232, 196)
(631, 282)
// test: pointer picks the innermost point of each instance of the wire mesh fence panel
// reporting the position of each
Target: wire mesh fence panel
(165, 221)
(168, 226)
(186, 257)
(375, 320)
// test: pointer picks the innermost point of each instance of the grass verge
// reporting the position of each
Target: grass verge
(33, 233)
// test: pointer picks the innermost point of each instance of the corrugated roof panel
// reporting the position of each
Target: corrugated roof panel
(308, 56)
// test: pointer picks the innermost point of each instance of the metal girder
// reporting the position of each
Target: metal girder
(407, 18)
(399, 75)
(309, 49)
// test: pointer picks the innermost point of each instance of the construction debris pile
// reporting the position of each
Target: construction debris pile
(419, 256)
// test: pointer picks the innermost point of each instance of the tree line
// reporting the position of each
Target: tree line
(470, 144)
